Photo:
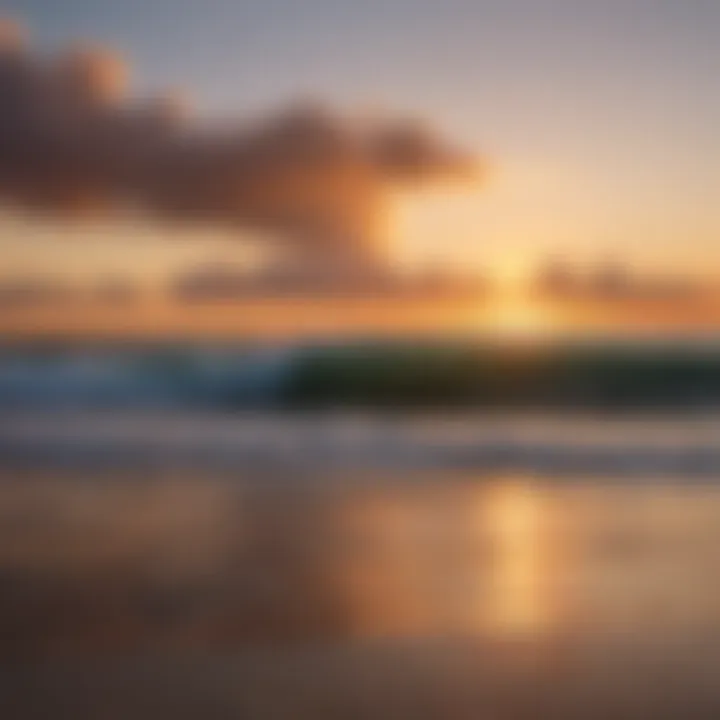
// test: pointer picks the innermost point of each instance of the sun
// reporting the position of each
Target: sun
(512, 277)
(515, 313)
(520, 320)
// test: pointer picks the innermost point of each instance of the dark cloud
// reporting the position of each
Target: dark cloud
(73, 140)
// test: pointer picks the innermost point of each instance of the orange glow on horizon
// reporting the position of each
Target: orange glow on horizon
(520, 319)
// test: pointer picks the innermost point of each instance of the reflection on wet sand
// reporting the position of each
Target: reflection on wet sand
(514, 513)
(446, 582)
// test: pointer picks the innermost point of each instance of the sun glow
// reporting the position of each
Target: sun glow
(519, 318)
(514, 311)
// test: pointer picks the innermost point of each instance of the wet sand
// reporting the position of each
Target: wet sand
(440, 595)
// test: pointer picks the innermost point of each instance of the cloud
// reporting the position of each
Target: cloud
(72, 140)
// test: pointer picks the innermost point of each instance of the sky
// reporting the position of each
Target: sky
(598, 119)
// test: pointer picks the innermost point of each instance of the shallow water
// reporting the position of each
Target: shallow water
(565, 445)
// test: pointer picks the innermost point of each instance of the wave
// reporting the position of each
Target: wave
(324, 443)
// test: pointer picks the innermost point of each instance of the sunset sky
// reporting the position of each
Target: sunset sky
(599, 120)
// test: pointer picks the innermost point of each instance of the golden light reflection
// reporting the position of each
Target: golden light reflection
(515, 517)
